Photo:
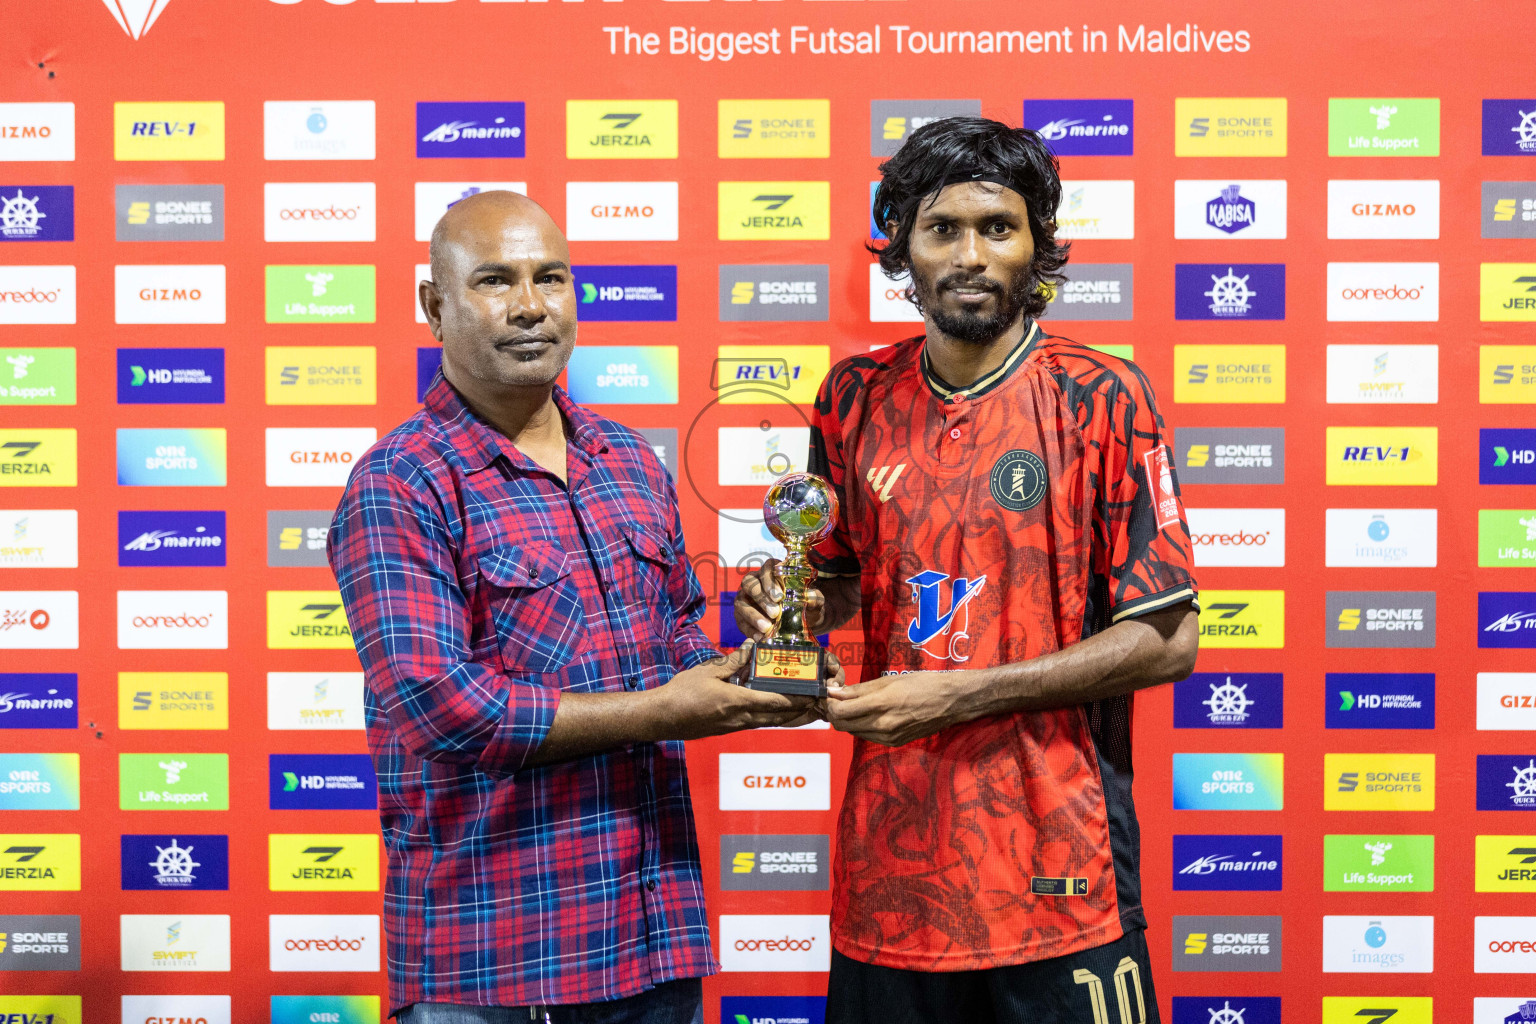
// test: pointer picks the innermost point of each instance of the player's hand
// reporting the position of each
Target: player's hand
(758, 603)
(892, 710)
(707, 701)
(835, 678)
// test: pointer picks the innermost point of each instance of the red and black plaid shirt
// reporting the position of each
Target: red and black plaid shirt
(478, 587)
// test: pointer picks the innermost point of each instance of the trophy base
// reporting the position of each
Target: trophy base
(782, 667)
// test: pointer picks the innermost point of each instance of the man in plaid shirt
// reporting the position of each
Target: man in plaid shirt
(527, 618)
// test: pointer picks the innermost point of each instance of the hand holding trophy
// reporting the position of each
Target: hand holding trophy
(800, 509)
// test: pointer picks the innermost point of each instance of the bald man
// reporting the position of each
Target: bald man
(515, 578)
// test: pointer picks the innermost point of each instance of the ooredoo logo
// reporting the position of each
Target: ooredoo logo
(323, 942)
(775, 942)
(1237, 536)
(1504, 945)
(333, 944)
(775, 782)
(172, 619)
(320, 211)
(1383, 292)
(37, 295)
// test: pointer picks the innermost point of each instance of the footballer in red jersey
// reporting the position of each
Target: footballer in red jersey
(1013, 544)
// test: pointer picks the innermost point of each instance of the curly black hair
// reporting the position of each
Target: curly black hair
(954, 149)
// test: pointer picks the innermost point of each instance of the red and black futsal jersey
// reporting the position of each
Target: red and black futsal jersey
(989, 525)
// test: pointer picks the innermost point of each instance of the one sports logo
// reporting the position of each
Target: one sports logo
(930, 624)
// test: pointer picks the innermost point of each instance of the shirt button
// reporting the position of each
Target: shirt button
(954, 434)
(650, 885)
(632, 682)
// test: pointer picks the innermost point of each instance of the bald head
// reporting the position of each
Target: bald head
(483, 217)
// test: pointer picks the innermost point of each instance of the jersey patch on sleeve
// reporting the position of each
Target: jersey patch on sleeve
(1159, 468)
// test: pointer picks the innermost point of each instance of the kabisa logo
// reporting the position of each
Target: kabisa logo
(38, 131)
(1205, 943)
(1227, 863)
(1227, 1010)
(1506, 864)
(48, 862)
(775, 942)
(314, 700)
(40, 782)
(1506, 619)
(1093, 291)
(173, 782)
(1242, 618)
(485, 130)
(323, 863)
(773, 1009)
(1223, 209)
(1379, 782)
(623, 374)
(1378, 945)
(773, 292)
(297, 538)
(307, 620)
(170, 213)
(892, 121)
(316, 782)
(1229, 126)
(1507, 292)
(777, 862)
(944, 635)
(175, 863)
(37, 213)
(626, 293)
(1380, 700)
(1378, 863)
(767, 210)
(1505, 456)
(323, 942)
(318, 130)
(168, 131)
(39, 700)
(1380, 618)
(170, 538)
(1506, 782)
(1509, 127)
(1383, 127)
(1383, 456)
(620, 130)
(37, 294)
(1229, 782)
(1230, 211)
(1229, 291)
(621, 211)
(1509, 209)
(167, 457)
(1084, 127)
(1230, 455)
(1506, 374)
(774, 128)
(1229, 700)
(39, 942)
(170, 376)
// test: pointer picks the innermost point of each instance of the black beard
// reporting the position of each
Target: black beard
(971, 327)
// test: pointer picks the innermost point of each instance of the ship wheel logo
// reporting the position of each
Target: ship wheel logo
(174, 864)
(19, 215)
(1524, 785)
(1228, 701)
(1230, 294)
(1526, 130)
(1226, 1015)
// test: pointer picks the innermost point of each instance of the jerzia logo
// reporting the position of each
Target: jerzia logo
(952, 626)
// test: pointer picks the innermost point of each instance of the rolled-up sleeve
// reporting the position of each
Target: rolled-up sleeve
(392, 551)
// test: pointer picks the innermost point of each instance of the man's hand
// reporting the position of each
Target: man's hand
(758, 603)
(706, 701)
(892, 710)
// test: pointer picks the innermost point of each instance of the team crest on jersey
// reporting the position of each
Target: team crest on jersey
(947, 631)
(1018, 480)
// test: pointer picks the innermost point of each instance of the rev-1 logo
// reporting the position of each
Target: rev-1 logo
(930, 624)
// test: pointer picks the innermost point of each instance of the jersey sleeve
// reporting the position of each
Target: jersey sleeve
(835, 555)
(1141, 539)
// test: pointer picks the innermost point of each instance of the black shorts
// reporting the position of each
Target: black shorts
(1108, 985)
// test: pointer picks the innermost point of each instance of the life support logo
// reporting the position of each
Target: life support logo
(1018, 480)
(943, 635)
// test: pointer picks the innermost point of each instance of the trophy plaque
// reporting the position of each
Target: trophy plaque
(800, 510)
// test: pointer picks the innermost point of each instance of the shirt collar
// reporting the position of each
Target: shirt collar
(478, 443)
(944, 391)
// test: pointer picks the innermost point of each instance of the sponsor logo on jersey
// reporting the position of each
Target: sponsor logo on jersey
(623, 375)
(39, 700)
(297, 538)
(776, 782)
(173, 782)
(39, 620)
(1507, 292)
(1378, 863)
(1378, 700)
(1509, 127)
(1230, 455)
(169, 213)
(1505, 864)
(940, 626)
(1383, 292)
(1506, 619)
(39, 862)
(1387, 538)
(176, 1010)
(176, 862)
(172, 620)
(1379, 782)
(163, 538)
(892, 121)
(1229, 782)
(167, 294)
(770, 374)
(1097, 209)
(1378, 945)
(1084, 127)
(476, 130)
(170, 457)
(1383, 127)
(173, 700)
(434, 198)
(37, 376)
(320, 294)
(39, 942)
(168, 131)
(314, 700)
(39, 782)
(766, 210)
(332, 211)
(307, 620)
(774, 128)
(774, 292)
(314, 456)
(1229, 126)
(1242, 618)
(323, 863)
(317, 782)
(1383, 208)
(323, 942)
(626, 293)
(777, 862)
(1229, 700)
(1505, 537)
(174, 942)
(303, 375)
(37, 294)
(621, 129)
(170, 376)
(37, 213)
(1505, 456)
(1229, 373)
(1227, 1010)
(1018, 482)
(1375, 618)
(1386, 456)
(1506, 374)
(1383, 374)
(1229, 291)
(1509, 208)
(1227, 863)
(1504, 945)
(1093, 291)
(621, 211)
(1225, 209)
(753, 457)
(39, 131)
(1206, 943)
(775, 942)
(39, 539)
(318, 130)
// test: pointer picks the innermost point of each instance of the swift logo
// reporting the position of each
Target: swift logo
(929, 624)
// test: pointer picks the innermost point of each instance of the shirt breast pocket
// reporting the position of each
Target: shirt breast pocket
(535, 606)
(651, 568)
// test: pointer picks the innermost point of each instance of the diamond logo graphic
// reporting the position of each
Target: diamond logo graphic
(136, 16)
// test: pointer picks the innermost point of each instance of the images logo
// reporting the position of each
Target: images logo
(39, 539)
(1375, 618)
(303, 375)
(307, 620)
(1378, 945)
(770, 374)
(1507, 292)
(1383, 292)
(173, 700)
(621, 211)
(1204, 943)
(1509, 127)
(39, 700)
(774, 128)
(1392, 537)
(1506, 619)
(777, 862)
(1220, 208)
(773, 292)
(315, 456)
(623, 375)
(37, 213)
(170, 213)
(1229, 127)
(1229, 291)
(1375, 700)
(37, 131)
(173, 782)
(1505, 456)
(1506, 374)
(1383, 456)
(321, 782)
(175, 863)
(1230, 455)
(297, 538)
(135, 17)
(168, 131)
(1229, 700)
(626, 293)
(323, 863)
(1229, 782)
(1097, 209)
(751, 210)
(172, 620)
(1383, 374)
(174, 942)
(620, 130)
(1242, 618)
(1093, 291)
(170, 376)
(1229, 373)
(1375, 127)
(1378, 782)
(1227, 1010)
(167, 457)
(333, 211)
(314, 700)
(1227, 863)
(1505, 538)
(775, 942)
(1509, 209)
(776, 782)
(1388, 208)
(323, 942)
(170, 538)
(320, 295)
(1378, 863)
(433, 199)
(318, 130)
(35, 294)
(37, 376)
(39, 620)
(39, 782)
(39, 942)
(36, 862)
(1083, 127)
(476, 130)
(891, 121)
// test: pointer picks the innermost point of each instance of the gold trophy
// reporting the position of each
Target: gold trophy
(800, 510)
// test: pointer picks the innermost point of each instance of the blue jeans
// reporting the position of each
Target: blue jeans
(671, 1002)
